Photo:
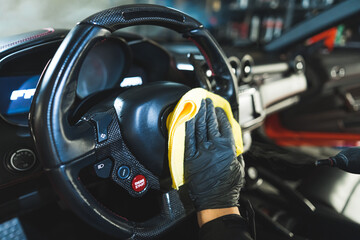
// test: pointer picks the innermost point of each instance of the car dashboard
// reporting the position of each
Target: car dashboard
(265, 85)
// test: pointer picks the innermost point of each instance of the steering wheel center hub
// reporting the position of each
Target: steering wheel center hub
(141, 113)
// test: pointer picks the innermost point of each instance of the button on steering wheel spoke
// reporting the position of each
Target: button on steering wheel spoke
(114, 160)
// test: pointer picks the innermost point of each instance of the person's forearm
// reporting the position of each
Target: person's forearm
(207, 215)
(230, 226)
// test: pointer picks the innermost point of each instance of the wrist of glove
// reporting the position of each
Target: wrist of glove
(213, 172)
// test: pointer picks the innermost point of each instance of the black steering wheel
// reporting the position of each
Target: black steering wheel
(125, 132)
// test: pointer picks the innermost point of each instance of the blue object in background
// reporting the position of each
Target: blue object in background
(16, 94)
(20, 99)
(12, 230)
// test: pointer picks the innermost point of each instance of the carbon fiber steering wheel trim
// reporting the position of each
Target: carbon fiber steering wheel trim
(130, 15)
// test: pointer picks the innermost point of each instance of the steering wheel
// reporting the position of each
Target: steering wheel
(124, 132)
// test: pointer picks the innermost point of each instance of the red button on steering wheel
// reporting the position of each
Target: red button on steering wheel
(139, 183)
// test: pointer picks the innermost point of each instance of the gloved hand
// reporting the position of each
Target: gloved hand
(347, 160)
(213, 172)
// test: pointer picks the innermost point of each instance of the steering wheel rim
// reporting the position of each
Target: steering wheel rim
(65, 149)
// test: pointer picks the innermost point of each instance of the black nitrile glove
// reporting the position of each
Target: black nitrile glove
(212, 170)
(347, 160)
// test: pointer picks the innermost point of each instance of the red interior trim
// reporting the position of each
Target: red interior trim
(327, 36)
(285, 137)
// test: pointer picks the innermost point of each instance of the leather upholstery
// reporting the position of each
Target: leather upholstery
(24, 40)
(335, 189)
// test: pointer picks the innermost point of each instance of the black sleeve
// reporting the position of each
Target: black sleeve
(229, 227)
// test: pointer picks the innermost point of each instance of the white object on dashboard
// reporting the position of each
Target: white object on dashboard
(273, 91)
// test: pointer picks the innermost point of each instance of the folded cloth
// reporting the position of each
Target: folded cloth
(186, 109)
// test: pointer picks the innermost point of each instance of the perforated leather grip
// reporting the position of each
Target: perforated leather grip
(130, 15)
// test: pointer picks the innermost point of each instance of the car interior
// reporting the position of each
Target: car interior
(83, 112)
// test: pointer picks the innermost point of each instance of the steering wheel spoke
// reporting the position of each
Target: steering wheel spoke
(114, 159)
(174, 205)
(173, 210)
(66, 180)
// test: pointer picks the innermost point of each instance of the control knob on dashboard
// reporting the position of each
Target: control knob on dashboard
(247, 63)
(298, 64)
(22, 160)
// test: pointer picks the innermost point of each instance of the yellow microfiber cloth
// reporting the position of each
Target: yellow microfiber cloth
(186, 109)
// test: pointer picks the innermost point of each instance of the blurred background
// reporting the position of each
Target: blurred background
(239, 22)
